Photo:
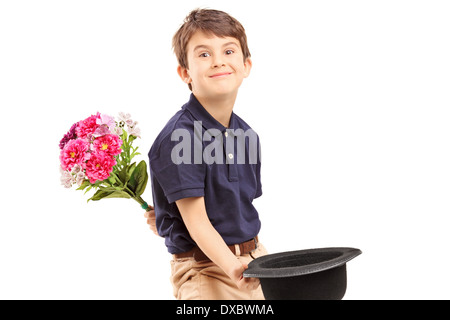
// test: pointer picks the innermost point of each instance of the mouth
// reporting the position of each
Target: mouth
(220, 75)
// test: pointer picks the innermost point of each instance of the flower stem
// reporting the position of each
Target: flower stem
(143, 204)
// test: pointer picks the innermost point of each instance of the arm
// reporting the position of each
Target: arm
(194, 215)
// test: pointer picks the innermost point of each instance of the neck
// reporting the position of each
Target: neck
(220, 108)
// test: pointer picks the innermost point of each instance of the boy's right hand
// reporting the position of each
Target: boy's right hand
(242, 283)
(151, 220)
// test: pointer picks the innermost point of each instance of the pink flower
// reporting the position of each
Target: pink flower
(99, 166)
(101, 131)
(68, 136)
(109, 121)
(109, 143)
(87, 126)
(106, 125)
(74, 152)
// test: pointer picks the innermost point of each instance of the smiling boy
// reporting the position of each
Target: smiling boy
(204, 210)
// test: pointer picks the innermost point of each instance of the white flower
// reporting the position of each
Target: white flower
(125, 118)
(133, 131)
(80, 178)
(66, 179)
(76, 168)
(117, 131)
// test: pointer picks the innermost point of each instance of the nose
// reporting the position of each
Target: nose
(217, 62)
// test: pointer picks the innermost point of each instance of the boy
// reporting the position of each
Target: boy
(204, 172)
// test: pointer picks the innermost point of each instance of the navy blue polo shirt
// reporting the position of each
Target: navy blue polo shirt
(196, 156)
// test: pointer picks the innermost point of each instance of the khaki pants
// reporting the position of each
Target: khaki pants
(194, 280)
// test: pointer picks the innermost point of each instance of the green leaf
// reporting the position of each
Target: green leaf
(138, 179)
(84, 185)
(131, 139)
(97, 184)
(112, 180)
(101, 194)
(124, 135)
(123, 175)
(130, 170)
(88, 189)
(108, 189)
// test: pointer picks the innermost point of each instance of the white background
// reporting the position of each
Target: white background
(350, 99)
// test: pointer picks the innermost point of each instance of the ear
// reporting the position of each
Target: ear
(247, 67)
(184, 74)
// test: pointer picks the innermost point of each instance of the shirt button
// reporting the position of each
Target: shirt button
(226, 134)
(230, 156)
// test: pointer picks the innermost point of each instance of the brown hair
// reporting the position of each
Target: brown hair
(219, 23)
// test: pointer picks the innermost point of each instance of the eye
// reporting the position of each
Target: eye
(229, 51)
(204, 55)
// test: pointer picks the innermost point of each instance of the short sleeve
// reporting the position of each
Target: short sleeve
(178, 181)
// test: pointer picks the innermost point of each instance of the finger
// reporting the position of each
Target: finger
(151, 214)
(252, 283)
(155, 231)
(149, 210)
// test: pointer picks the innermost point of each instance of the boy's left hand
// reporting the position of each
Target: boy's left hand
(151, 220)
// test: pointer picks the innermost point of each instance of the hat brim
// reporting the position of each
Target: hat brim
(298, 263)
(314, 274)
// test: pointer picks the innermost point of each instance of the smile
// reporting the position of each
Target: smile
(221, 75)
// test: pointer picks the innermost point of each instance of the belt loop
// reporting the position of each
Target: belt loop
(255, 239)
(237, 248)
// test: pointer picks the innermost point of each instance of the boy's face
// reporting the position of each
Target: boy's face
(216, 66)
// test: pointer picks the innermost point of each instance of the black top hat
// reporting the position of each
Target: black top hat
(314, 274)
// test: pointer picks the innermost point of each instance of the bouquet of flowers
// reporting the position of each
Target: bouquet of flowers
(97, 153)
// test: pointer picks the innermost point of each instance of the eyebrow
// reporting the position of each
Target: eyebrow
(203, 46)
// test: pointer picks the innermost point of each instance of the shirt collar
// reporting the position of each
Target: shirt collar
(208, 121)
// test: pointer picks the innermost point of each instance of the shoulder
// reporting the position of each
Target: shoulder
(243, 128)
(182, 120)
(241, 123)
